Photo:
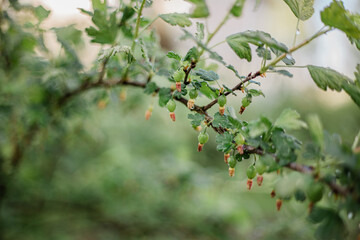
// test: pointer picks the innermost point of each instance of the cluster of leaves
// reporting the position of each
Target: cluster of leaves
(42, 97)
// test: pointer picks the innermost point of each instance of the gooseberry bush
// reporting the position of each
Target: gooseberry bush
(131, 56)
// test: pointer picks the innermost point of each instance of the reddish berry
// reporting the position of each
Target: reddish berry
(259, 180)
(231, 171)
(178, 86)
(273, 194)
(226, 157)
(242, 109)
(240, 149)
(172, 116)
(278, 204)
(249, 184)
(200, 147)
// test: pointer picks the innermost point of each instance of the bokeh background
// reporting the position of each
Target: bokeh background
(117, 176)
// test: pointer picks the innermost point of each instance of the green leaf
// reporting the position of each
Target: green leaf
(256, 93)
(338, 17)
(150, 88)
(86, 12)
(326, 77)
(221, 121)
(353, 91)
(208, 91)
(224, 142)
(284, 72)
(69, 34)
(99, 5)
(191, 54)
(199, 31)
(201, 10)
(302, 9)
(239, 42)
(263, 53)
(237, 8)
(257, 128)
(107, 53)
(207, 75)
(316, 130)
(41, 13)
(107, 28)
(173, 55)
(285, 146)
(164, 96)
(196, 119)
(180, 19)
(127, 14)
(289, 119)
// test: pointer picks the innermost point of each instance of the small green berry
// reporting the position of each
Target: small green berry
(171, 105)
(193, 93)
(232, 162)
(315, 191)
(179, 75)
(203, 137)
(251, 172)
(222, 100)
(239, 139)
(245, 102)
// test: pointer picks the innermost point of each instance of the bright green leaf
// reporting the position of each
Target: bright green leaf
(326, 77)
(207, 75)
(41, 13)
(196, 119)
(289, 119)
(180, 19)
(316, 130)
(164, 96)
(173, 55)
(237, 8)
(201, 10)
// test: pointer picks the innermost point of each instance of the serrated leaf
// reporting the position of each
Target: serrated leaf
(106, 30)
(289, 119)
(256, 93)
(107, 53)
(257, 128)
(199, 31)
(221, 121)
(237, 8)
(201, 10)
(236, 124)
(239, 42)
(224, 142)
(316, 130)
(41, 13)
(208, 91)
(180, 19)
(69, 33)
(150, 88)
(173, 55)
(302, 9)
(191, 54)
(196, 119)
(99, 4)
(285, 146)
(207, 75)
(327, 78)
(338, 17)
(86, 12)
(263, 53)
(353, 91)
(164, 96)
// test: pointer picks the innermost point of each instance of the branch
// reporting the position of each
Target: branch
(337, 189)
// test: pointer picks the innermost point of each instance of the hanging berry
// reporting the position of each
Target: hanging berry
(278, 204)
(226, 157)
(193, 94)
(222, 103)
(232, 163)
(260, 169)
(314, 191)
(251, 173)
(273, 194)
(171, 106)
(148, 113)
(178, 76)
(240, 141)
(202, 138)
(245, 102)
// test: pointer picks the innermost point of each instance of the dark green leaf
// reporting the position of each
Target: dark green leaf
(236, 124)
(173, 55)
(289, 119)
(326, 77)
(240, 46)
(338, 17)
(127, 14)
(150, 88)
(164, 96)
(201, 10)
(224, 142)
(302, 9)
(299, 195)
(208, 91)
(221, 121)
(285, 146)
(207, 75)
(107, 28)
(263, 53)
(86, 12)
(180, 19)
(256, 93)
(283, 72)
(353, 91)
(191, 54)
(196, 119)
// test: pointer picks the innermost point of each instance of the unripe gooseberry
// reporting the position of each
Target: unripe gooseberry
(315, 191)
(245, 102)
(260, 167)
(193, 93)
(251, 172)
(239, 139)
(232, 162)
(222, 100)
(171, 105)
(203, 137)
